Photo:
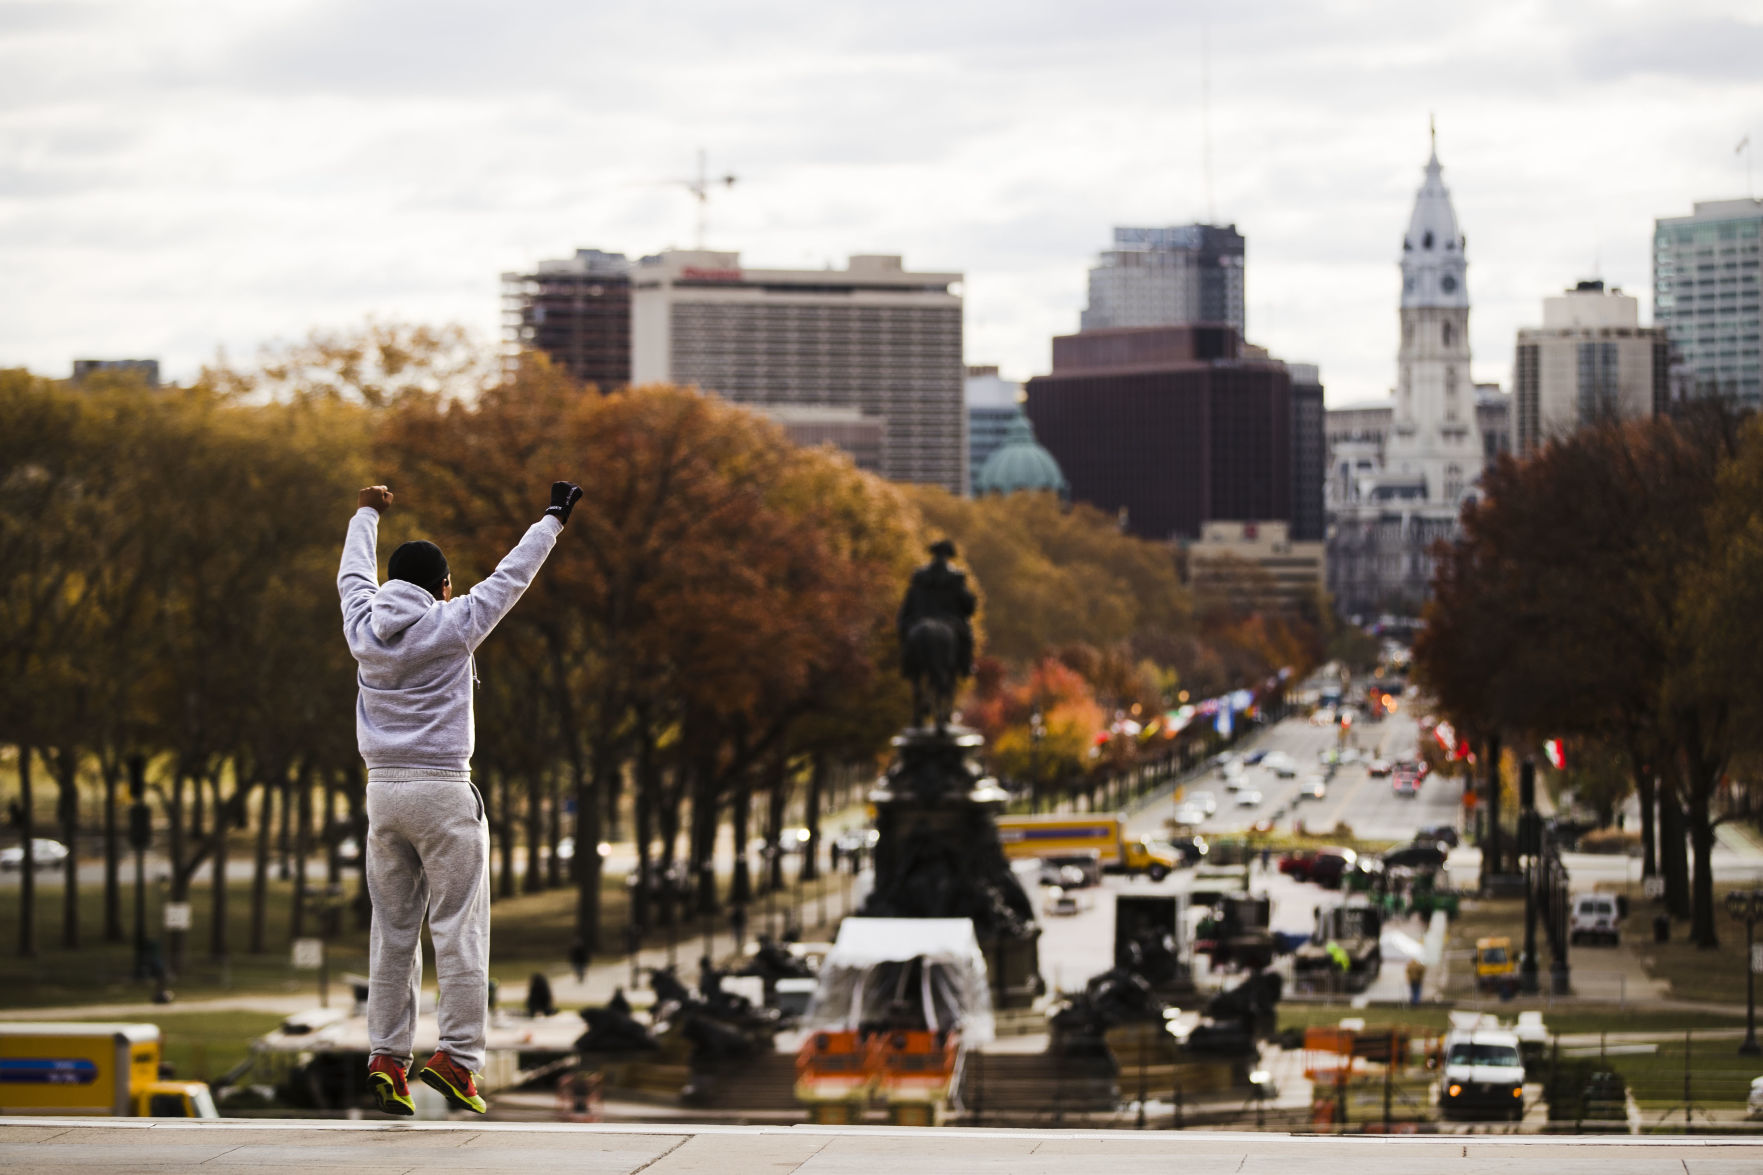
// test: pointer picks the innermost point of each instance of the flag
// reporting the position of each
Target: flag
(1556, 754)
(1446, 736)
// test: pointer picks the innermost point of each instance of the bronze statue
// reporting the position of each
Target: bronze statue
(936, 636)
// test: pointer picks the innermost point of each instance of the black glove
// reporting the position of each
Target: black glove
(564, 496)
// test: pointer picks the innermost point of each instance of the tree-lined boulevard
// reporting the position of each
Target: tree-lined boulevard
(708, 657)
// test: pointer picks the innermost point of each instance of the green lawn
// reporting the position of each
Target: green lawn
(200, 1046)
(1716, 975)
(528, 933)
(1560, 1021)
(1718, 1077)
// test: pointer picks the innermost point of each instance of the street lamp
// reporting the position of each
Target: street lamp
(1747, 907)
(1037, 730)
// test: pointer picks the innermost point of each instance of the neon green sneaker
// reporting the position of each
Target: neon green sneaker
(454, 1082)
(386, 1081)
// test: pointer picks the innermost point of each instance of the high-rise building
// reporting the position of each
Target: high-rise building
(577, 311)
(1387, 518)
(1177, 276)
(1590, 361)
(1168, 427)
(873, 338)
(1707, 270)
(1309, 455)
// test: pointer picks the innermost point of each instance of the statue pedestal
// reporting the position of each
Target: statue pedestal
(938, 855)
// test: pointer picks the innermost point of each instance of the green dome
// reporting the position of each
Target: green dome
(1020, 463)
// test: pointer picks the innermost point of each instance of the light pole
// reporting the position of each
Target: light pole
(1037, 730)
(1747, 907)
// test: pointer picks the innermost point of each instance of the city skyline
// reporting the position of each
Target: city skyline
(186, 179)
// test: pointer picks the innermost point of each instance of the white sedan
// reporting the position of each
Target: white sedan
(1248, 798)
(1203, 800)
(1314, 787)
(45, 854)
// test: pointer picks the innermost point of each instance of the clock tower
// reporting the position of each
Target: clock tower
(1433, 440)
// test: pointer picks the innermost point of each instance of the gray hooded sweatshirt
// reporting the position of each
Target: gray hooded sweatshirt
(413, 652)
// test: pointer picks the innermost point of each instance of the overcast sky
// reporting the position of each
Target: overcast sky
(178, 177)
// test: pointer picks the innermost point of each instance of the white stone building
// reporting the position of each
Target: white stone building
(1591, 360)
(1386, 516)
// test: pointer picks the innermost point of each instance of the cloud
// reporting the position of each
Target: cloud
(222, 174)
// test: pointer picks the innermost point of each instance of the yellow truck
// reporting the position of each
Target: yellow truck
(101, 1069)
(1104, 833)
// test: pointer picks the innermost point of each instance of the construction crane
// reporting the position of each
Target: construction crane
(701, 188)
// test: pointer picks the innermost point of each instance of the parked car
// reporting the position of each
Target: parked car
(1249, 798)
(1596, 917)
(1406, 787)
(1253, 757)
(1754, 1106)
(1313, 787)
(1442, 833)
(1281, 764)
(45, 854)
(1191, 849)
(1379, 767)
(1203, 800)
(1420, 855)
(1187, 815)
(1331, 866)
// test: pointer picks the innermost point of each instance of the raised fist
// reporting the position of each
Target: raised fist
(564, 496)
(379, 497)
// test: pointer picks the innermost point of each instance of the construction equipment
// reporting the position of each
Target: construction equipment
(1345, 951)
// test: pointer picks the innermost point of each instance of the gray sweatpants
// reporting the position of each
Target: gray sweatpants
(428, 852)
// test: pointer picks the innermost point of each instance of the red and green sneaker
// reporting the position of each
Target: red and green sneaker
(454, 1082)
(385, 1078)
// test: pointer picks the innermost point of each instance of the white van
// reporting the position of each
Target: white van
(1596, 917)
(1484, 1075)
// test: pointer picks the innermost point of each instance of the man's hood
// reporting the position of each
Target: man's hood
(397, 605)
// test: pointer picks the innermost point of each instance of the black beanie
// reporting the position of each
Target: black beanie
(419, 562)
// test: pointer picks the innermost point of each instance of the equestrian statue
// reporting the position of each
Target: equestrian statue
(936, 635)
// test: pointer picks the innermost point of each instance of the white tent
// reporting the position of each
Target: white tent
(871, 962)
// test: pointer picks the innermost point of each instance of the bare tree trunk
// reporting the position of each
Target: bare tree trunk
(67, 805)
(1646, 787)
(777, 800)
(267, 789)
(113, 929)
(741, 888)
(811, 817)
(27, 877)
(302, 847)
(644, 799)
(285, 837)
(219, 932)
(1673, 860)
(535, 832)
(333, 849)
(1704, 928)
(505, 828)
(1493, 858)
(554, 829)
(176, 941)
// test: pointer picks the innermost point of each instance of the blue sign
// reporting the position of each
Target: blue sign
(47, 1071)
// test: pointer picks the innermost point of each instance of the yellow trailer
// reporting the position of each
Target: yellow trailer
(103, 1069)
(1103, 832)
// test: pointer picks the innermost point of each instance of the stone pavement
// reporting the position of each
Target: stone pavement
(103, 1148)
